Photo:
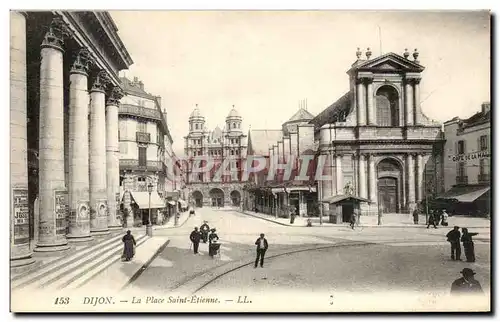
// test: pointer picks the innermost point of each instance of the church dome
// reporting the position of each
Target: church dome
(233, 113)
(196, 112)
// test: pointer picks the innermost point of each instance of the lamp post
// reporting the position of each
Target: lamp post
(149, 227)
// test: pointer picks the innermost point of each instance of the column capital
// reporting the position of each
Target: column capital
(100, 82)
(364, 80)
(115, 95)
(54, 37)
(411, 80)
(83, 61)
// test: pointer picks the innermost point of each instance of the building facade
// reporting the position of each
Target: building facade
(65, 93)
(467, 162)
(280, 195)
(226, 149)
(145, 154)
(377, 142)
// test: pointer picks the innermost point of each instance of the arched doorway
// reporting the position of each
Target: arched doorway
(235, 198)
(198, 198)
(217, 197)
(390, 175)
(387, 100)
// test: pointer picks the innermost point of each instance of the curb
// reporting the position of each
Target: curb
(338, 226)
(146, 265)
(200, 281)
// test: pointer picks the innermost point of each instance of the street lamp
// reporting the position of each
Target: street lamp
(149, 227)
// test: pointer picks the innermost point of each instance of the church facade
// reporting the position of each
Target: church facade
(377, 142)
(223, 147)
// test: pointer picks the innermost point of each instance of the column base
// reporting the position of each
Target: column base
(115, 228)
(99, 232)
(78, 239)
(47, 248)
(22, 262)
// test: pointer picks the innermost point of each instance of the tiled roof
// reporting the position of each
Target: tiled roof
(259, 141)
(477, 119)
(128, 87)
(300, 115)
(329, 114)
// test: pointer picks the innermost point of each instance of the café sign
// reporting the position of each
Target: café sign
(471, 156)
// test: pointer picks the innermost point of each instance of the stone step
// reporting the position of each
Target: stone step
(90, 268)
(58, 264)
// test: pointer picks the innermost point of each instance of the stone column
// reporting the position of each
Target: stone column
(416, 102)
(372, 178)
(360, 100)
(369, 102)
(362, 176)
(408, 102)
(326, 185)
(97, 160)
(420, 177)
(79, 209)
(410, 172)
(20, 254)
(113, 158)
(338, 175)
(52, 190)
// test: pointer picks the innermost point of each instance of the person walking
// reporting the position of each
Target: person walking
(415, 216)
(213, 243)
(128, 246)
(204, 231)
(453, 236)
(293, 214)
(466, 285)
(432, 220)
(195, 239)
(444, 218)
(262, 246)
(352, 220)
(468, 245)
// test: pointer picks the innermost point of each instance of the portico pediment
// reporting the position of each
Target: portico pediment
(390, 62)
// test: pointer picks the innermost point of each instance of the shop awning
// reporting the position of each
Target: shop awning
(141, 198)
(464, 193)
(339, 198)
(171, 202)
(183, 203)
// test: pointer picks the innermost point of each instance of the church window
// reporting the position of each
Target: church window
(387, 105)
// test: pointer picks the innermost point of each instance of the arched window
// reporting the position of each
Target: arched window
(387, 106)
(234, 125)
(196, 125)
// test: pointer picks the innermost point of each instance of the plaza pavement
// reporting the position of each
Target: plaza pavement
(352, 260)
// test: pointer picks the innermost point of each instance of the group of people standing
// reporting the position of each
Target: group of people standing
(205, 234)
(436, 217)
(454, 237)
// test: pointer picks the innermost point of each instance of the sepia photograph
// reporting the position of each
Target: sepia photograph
(285, 161)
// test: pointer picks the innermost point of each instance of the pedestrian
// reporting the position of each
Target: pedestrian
(468, 245)
(415, 216)
(262, 246)
(213, 243)
(293, 214)
(128, 246)
(444, 218)
(204, 231)
(352, 220)
(195, 239)
(466, 284)
(453, 236)
(432, 220)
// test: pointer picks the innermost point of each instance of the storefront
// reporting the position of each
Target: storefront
(143, 202)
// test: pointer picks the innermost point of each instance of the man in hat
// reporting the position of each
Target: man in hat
(466, 284)
(262, 246)
(195, 239)
(453, 236)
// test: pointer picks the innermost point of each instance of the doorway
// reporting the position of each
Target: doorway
(347, 211)
(387, 194)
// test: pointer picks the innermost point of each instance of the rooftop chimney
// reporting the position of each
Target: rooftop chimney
(141, 85)
(485, 107)
(136, 79)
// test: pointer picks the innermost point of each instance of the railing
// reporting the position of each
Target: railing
(462, 179)
(133, 164)
(483, 178)
(143, 137)
(139, 111)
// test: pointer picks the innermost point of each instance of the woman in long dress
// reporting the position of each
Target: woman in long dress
(128, 246)
(213, 243)
(468, 245)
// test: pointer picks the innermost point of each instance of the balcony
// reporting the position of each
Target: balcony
(144, 112)
(462, 179)
(483, 178)
(143, 137)
(133, 164)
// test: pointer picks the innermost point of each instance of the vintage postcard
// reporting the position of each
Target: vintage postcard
(250, 161)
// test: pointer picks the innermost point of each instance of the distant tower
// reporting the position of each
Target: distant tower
(196, 121)
(233, 122)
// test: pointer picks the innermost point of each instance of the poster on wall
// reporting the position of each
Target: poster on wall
(20, 210)
(60, 210)
(118, 212)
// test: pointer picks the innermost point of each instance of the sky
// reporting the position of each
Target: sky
(265, 62)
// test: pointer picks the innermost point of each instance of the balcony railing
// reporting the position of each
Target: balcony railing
(483, 178)
(462, 179)
(143, 137)
(133, 164)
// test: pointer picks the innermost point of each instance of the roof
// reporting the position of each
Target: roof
(196, 113)
(329, 115)
(464, 193)
(130, 88)
(339, 198)
(233, 113)
(259, 141)
(301, 115)
(389, 62)
(476, 119)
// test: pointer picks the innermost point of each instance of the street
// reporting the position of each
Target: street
(367, 260)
